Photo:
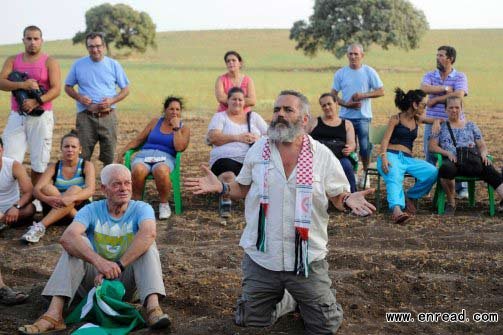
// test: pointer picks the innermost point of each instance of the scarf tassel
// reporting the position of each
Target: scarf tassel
(261, 245)
(301, 253)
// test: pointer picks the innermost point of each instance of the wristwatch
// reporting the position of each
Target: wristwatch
(18, 206)
(446, 89)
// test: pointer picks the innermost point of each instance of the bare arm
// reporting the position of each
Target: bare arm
(73, 242)
(72, 93)
(368, 95)
(338, 98)
(45, 179)
(481, 145)
(393, 121)
(6, 84)
(141, 242)
(434, 147)
(250, 99)
(313, 122)
(209, 183)
(55, 80)
(87, 191)
(24, 183)
(124, 92)
(216, 137)
(442, 98)
(181, 138)
(350, 137)
(138, 140)
(220, 92)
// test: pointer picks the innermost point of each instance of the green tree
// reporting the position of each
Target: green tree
(337, 23)
(123, 27)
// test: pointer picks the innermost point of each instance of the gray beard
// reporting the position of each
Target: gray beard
(285, 133)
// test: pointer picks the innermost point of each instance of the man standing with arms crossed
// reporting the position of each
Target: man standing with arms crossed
(358, 83)
(24, 129)
(97, 77)
(441, 83)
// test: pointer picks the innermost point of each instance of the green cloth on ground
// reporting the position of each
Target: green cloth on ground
(104, 307)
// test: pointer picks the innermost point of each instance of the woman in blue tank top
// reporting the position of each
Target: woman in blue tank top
(161, 139)
(63, 188)
(395, 159)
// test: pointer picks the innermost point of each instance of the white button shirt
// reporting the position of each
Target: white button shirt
(329, 180)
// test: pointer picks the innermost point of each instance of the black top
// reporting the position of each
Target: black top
(323, 132)
(403, 135)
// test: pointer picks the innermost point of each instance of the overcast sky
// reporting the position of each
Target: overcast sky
(62, 19)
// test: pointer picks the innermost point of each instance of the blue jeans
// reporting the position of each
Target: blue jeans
(362, 127)
(399, 165)
(348, 171)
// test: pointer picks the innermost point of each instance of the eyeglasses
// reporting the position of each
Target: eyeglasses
(99, 46)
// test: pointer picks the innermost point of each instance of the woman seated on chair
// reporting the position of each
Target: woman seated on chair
(465, 136)
(63, 188)
(162, 138)
(395, 159)
(232, 133)
(337, 134)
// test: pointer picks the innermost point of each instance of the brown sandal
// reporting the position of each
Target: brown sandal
(34, 329)
(156, 319)
(402, 218)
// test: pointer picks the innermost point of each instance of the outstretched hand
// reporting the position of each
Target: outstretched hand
(359, 205)
(209, 183)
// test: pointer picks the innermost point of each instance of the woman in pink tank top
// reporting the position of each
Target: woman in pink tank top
(234, 78)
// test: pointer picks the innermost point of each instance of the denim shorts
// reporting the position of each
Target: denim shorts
(362, 127)
(168, 160)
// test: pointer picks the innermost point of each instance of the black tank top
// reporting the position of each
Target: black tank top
(403, 135)
(323, 132)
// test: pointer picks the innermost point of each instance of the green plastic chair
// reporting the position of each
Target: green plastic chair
(174, 176)
(440, 197)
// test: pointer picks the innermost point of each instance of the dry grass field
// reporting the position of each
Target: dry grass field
(433, 264)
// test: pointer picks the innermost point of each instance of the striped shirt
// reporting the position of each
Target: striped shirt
(78, 178)
(456, 80)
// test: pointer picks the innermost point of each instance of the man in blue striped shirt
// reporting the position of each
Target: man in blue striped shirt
(439, 84)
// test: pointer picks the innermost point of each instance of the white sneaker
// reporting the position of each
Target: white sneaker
(361, 179)
(463, 194)
(164, 211)
(38, 205)
(33, 235)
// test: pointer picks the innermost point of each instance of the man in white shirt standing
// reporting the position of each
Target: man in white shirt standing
(287, 179)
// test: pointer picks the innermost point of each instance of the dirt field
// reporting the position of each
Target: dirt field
(434, 264)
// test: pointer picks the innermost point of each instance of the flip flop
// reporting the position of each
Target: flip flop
(402, 218)
(56, 326)
(10, 297)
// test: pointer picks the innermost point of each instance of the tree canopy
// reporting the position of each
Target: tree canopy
(337, 23)
(122, 25)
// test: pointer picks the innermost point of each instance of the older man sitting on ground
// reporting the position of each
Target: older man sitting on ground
(112, 238)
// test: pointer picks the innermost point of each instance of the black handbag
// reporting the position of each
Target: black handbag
(468, 159)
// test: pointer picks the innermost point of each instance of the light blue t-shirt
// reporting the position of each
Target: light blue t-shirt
(348, 82)
(109, 236)
(97, 80)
